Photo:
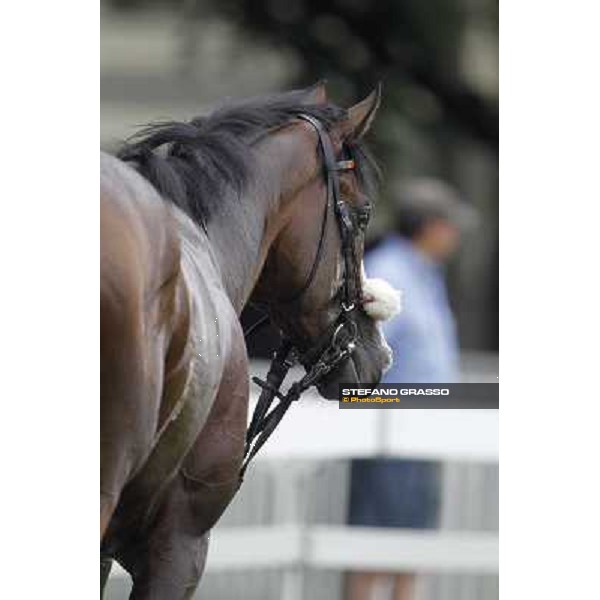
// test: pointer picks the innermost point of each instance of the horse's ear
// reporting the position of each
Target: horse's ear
(316, 94)
(361, 115)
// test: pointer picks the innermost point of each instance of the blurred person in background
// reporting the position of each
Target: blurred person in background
(429, 219)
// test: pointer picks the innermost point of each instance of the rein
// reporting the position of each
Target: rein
(338, 342)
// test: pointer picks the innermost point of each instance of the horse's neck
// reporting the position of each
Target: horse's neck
(241, 234)
(236, 238)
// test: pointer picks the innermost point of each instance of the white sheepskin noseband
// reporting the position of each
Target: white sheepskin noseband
(380, 300)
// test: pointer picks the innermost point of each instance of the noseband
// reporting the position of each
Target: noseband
(337, 343)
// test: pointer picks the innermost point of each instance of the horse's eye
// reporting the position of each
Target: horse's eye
(363, 215)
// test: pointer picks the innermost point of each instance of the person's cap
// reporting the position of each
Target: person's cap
(431, 199)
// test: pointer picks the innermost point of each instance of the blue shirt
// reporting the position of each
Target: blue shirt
(423, 336)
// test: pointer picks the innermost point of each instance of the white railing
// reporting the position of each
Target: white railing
(352, 548)
(316, 430)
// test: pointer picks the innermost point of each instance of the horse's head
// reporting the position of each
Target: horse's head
(313, 278)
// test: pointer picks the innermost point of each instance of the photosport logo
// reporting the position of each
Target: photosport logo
(416, 395)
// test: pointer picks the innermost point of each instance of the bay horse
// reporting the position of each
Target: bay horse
(197, 219)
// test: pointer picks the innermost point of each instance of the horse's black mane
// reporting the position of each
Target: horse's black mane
(193, 163)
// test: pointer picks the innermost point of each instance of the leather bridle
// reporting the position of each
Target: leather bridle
(337, 343)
